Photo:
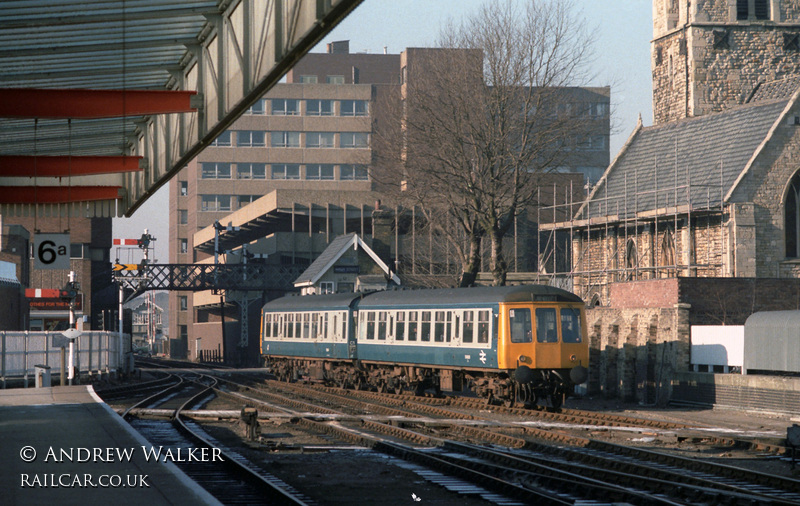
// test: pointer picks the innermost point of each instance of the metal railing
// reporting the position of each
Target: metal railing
(95, 352)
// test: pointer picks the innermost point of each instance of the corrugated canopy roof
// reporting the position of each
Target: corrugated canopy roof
(147, 45)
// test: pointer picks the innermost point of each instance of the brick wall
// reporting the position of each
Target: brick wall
(656, 293)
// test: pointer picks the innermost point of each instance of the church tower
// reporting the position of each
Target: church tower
(709, 55)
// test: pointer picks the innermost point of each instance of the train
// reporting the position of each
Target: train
(521, 345)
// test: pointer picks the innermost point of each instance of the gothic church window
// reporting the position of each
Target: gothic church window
(631, 260)
(792, 218)
(668, 249)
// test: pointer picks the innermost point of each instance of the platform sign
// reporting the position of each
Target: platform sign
(51, 251)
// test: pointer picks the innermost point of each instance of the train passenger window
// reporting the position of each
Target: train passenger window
(447, 326)
(400, 326)
(371, 325)
(438, 327)
(412, 325)
(289, 325)
(314, 325)
(306, 326)
(570, 325)
(275, 325)
(483, 326)
(469, 326)
(546, 325)
(325, 325)
(425, 328)
(267, 325)
(519, 321)
(298, 323)
(457, 325)
(382, 325)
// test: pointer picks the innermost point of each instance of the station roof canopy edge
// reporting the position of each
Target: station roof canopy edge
(147, 84)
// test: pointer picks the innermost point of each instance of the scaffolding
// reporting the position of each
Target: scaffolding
(644, 233)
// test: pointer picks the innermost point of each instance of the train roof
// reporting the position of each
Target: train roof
(444, 297)
(309, 302)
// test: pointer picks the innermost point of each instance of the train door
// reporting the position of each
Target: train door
(350, 330)
(517, 344)
(548, 350)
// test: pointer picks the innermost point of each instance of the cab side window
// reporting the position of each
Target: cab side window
(519, 321)
(546, 331)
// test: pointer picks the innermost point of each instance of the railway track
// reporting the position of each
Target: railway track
(226, 474)
(657, 477)
(450, 442)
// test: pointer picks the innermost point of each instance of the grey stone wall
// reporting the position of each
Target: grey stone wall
(634, 353)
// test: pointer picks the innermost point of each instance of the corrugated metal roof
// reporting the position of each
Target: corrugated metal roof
(147, 45)
(55, 44)
(694, 161)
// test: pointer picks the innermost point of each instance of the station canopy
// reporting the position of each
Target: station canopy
(102, 102)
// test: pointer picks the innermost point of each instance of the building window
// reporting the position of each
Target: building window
(285, 139)
(258, 108)
(183, 331)
(183, 302)
(183, 188)
(354, 140)
(319, 171)
(319, 107)
(308, 79)
(319, 139)
(351, 172)
(286, 171)
(759, 10)
(244, 200)
(215, 202)
(223, 140)
(353, 108)
(285, 107)
(76, 250)
(334, 79)
(184, 245)
(631, 260)
(668, 248)
(183, 216)
(792, 218)
(251, 171)
(250, 138)
(591, 143)
(326, 287)
(209, 170)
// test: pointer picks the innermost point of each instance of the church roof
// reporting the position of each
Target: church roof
(689, 163)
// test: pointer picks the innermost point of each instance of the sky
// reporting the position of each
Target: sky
(622, 30)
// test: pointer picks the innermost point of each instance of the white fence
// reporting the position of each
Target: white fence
(717, 348)
(95, 351)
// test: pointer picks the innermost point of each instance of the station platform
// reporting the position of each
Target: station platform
(64, 445)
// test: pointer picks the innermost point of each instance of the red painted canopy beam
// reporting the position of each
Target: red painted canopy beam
(65, 166)
(81, 103)
(56, 194)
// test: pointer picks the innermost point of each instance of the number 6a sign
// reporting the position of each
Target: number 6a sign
(51, 251)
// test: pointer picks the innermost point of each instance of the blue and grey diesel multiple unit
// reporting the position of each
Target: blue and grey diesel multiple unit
(514, 344)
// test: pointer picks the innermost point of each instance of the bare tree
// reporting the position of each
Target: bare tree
(483, 116)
